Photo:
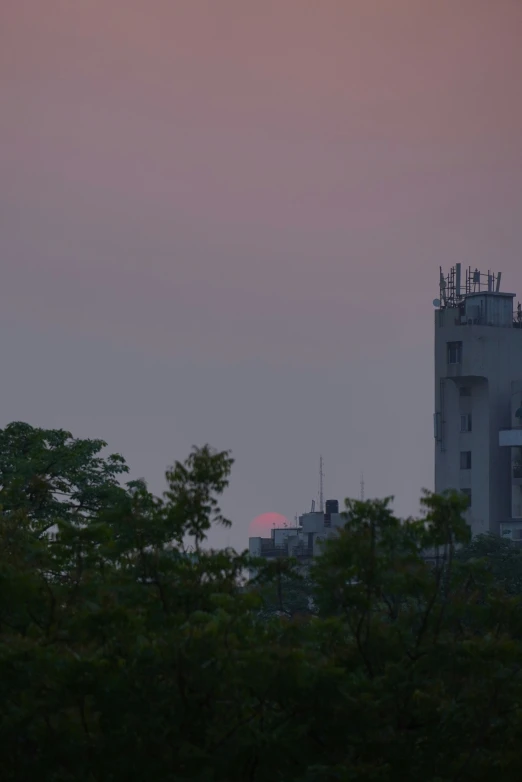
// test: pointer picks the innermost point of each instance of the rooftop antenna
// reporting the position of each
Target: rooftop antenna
(442, 287)
(362, 487)
(321, 482)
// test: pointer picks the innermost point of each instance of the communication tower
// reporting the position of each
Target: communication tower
(321, 486)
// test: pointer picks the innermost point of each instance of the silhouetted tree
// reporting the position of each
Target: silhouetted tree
(128, 651)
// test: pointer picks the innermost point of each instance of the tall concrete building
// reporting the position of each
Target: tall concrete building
(478, 398)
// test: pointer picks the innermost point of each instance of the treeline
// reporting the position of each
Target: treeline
(130, 652)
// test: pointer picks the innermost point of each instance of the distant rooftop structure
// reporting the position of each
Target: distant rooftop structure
(477, 297)
(304, 541)
(453, 287)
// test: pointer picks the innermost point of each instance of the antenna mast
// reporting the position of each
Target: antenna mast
(321, 482)
(362, 487)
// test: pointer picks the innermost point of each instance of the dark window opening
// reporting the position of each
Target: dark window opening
(454, 352)
(465, 423)
(465, 391)
(465, 460)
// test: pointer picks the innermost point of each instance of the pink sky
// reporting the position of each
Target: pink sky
(247, 203)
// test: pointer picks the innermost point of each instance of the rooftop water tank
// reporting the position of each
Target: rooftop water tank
(332, 506)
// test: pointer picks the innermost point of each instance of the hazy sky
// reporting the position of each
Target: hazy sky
(222, 221)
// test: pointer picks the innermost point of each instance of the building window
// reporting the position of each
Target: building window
(465, 390)
(454, 352)
(465, 423)
(465, 460)
(467, 492)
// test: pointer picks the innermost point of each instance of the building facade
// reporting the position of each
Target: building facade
(478, 382)
(511, 440)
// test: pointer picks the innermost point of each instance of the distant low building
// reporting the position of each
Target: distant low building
(304, 541)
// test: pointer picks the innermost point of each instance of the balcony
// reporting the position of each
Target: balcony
(510, 437)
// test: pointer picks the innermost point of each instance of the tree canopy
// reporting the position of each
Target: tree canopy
(129, 651)
(49, 475)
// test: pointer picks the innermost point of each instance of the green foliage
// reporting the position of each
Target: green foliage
(47, 474)
(193, 487)
(129, 652)
(283, 587)
(502, 557)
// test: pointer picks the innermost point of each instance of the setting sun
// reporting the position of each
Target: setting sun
(261, 525)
